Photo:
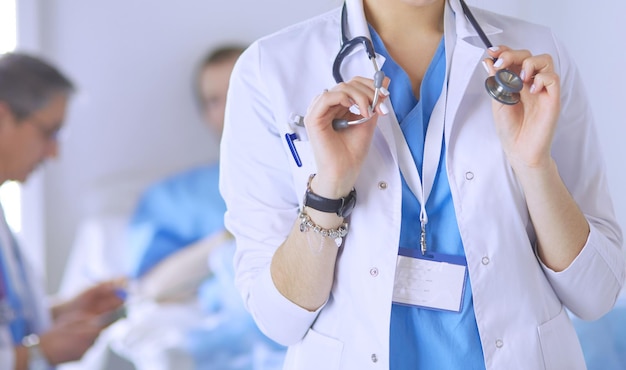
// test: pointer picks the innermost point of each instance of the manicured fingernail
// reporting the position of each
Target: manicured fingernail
(354, 109)
(485, 66)
(498, 63)
(533, 88)
(494, 48)
(384, 91)
(384, 109)
(522, 75)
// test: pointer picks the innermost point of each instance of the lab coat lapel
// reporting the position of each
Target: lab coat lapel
(357, 24)
(357, 63)
(464, 52)
(463, 49)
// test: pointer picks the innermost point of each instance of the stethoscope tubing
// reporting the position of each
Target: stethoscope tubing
(506, 91)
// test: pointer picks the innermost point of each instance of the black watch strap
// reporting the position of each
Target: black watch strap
(342, 206)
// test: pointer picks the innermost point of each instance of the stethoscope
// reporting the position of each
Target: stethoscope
(504, 86)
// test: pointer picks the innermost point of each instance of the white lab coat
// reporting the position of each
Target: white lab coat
(519, 302)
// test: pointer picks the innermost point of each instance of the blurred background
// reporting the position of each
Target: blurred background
(133, 120)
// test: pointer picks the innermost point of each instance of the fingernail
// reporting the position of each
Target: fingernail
(522, 75)
(533, 88)
(354, 109)
(498, 63)
(485, 66)
(384, 91)
(384, 109)
(494, 48)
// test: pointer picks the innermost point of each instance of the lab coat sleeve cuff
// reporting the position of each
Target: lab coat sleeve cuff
(590, 285)
(277, 317)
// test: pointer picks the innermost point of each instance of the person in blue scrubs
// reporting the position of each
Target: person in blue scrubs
(186, 208)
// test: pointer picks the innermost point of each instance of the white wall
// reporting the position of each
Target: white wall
(133, 120)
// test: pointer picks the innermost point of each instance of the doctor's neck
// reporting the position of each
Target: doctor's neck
(405, 18)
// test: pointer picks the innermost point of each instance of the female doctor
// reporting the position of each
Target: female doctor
(336, 255)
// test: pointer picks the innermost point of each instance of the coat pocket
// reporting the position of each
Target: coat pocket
(315, 352)
(559, 344)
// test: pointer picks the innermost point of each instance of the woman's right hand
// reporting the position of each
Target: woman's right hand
(339, 154)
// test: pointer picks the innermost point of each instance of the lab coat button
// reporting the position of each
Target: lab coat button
(374, 358)
(499, 343)
(485, 261)
(374, 271)
(382, 185)
(469, 175)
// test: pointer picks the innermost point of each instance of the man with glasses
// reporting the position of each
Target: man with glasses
(33, 100)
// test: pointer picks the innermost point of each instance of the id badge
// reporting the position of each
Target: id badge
(432, 281)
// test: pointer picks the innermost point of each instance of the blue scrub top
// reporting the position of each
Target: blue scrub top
(173, 214)
(422, 338)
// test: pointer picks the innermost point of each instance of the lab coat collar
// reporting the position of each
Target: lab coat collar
(357, 24)
(458, 28)
(357, 63)
(465, 30)
(461, 39)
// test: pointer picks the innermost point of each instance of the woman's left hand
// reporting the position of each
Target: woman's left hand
(527, 128)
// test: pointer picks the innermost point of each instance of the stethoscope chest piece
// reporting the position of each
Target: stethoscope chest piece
(505, 87)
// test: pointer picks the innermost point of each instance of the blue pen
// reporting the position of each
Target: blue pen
(121, 293)
(292, 147)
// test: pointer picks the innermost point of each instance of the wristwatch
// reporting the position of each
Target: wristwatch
(36, 359)
(342, 206)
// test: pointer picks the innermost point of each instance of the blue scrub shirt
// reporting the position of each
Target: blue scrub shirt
(422, 338)
(173, 214)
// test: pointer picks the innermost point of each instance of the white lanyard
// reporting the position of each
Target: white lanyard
(432, 155)
(433, 141)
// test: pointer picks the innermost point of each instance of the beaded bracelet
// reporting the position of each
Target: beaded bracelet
(337, 234)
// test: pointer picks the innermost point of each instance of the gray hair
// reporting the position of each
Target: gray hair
(27, 83)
